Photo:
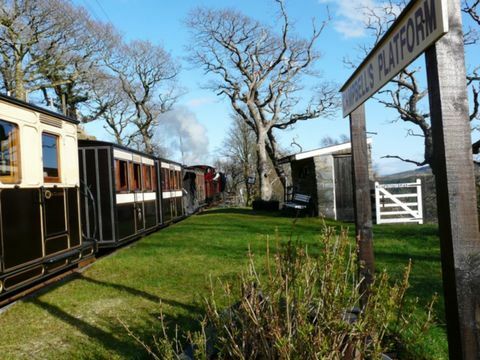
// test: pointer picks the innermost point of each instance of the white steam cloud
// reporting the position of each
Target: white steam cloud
(185, 137)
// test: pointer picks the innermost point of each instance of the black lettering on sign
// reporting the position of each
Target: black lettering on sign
(391, 59)
(395, 40)
(430, 16)
(410, 35)
(385, 68)
(380, 65)
(364, 82)
(371, 75)
(403, 41)
(419, 25)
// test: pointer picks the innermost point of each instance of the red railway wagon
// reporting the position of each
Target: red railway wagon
(214, 182)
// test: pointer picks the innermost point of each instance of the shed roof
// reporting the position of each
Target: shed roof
(329, 150)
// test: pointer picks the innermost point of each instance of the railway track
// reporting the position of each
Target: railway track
(43, 284)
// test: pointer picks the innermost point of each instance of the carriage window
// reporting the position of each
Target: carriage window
(121, 175)
(136, 178)
(9, 153)
(165, 182)
(147, 177)
(173, 180)
(154, 178)
(51, 171)
(177, 180)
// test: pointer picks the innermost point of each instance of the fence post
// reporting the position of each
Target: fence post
(378, 205)
(420, 201)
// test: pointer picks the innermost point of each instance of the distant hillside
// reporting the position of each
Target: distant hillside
(418, 172)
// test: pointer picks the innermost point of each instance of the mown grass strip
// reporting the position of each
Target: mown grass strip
(79, 318)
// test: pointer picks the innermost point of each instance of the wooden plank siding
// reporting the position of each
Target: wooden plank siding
(343, 187)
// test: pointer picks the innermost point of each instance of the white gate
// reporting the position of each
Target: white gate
(399, 203)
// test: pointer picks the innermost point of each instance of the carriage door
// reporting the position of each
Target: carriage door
(137, 188)
(55, 224)
(53, 199)
(173, 188)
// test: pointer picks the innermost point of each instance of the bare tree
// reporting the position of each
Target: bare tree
(330, 141)
(147, 75)
(69, 70)
(22, 24)
(31, 35)
(472, 8)
(109, 103)
(239, 150)
(405, 94)
(260, 71)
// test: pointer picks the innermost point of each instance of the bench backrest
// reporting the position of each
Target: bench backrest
(301, 198)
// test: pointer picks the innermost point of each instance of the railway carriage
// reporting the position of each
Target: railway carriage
(194, 186)
(124, 185)
(61, 198)
(214, 182)
(39, 195)
(172, 191)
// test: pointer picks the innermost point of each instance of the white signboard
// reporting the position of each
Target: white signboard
(418, 26)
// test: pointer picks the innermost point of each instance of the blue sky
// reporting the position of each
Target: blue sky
(162, 23)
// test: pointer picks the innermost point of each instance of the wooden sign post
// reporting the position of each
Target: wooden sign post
(421, 27)
(456, 192)
(362, 203)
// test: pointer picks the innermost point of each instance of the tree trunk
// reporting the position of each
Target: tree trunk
(246, 174)
(262, 167)
(147, 141)
(280, 173)
(20, 92)
(273, 157)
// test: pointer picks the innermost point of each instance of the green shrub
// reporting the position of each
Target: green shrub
(304, 304)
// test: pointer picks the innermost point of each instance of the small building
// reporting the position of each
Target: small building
(326, 175)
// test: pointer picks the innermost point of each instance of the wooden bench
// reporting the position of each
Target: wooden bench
(299, 202)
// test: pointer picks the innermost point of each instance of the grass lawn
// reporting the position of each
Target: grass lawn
(81, 318)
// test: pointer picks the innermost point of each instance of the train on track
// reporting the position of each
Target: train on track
(63, 199)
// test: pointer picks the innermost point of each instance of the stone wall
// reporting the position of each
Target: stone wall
(325, 199)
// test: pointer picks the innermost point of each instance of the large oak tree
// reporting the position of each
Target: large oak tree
(147, 76)
(49, 46)
(260, 70)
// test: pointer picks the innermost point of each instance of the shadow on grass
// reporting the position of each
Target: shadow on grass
(249, 211)
(141, 293)
(108, 340)
(241, 211)
(121, 343)
(403, 258)
(402, 231)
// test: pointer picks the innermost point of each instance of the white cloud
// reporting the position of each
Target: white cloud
(197, 102)
(350, 16)
(185, 135)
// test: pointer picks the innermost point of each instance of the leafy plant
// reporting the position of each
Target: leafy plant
(303, 303)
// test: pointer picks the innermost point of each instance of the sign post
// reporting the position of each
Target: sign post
(418, 29)
(362, 203)
(456, 192)
(420, 24)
